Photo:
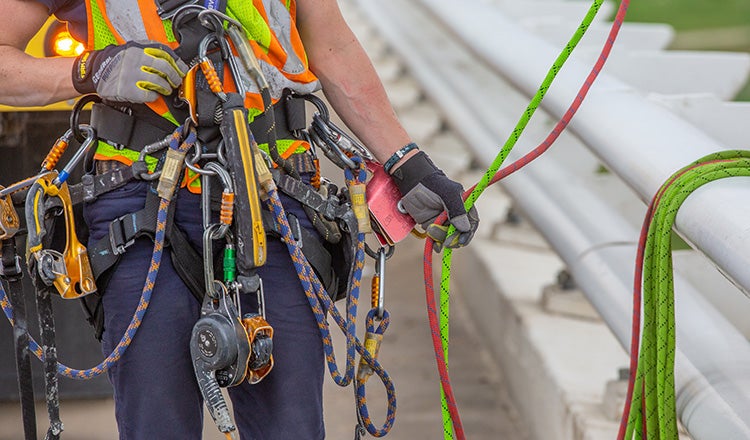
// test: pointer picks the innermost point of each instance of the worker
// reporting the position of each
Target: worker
(132, 64)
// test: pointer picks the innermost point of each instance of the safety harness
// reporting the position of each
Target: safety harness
(228, 345)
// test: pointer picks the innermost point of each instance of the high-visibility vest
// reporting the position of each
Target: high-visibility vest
(275, 42)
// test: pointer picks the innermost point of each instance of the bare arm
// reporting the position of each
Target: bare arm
(25, 80)
(348, 78)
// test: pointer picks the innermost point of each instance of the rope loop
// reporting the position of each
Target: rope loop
(177, 142)
(322, 306)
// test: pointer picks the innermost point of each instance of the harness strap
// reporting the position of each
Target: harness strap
(92, 186)
(129, 129)
(134, 129)
(289, 117)
(49, 350)
(12, 274)
(167, 8)
(308, 196)
(123, 232)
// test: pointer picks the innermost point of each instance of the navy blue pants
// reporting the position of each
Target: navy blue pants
(156, 394)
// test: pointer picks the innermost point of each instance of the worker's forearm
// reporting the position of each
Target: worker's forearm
(356, 93)
(28, 81)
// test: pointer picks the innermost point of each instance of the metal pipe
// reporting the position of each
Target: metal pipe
(713, 358)
(640, 141)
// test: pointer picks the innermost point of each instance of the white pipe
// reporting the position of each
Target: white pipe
(713, 359)
(640, 141)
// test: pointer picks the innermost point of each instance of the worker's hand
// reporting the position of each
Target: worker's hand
(427, 192)
(135, 72)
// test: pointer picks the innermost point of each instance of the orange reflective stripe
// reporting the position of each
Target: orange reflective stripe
(152, 21)
(89, 27)
(293, 148)
(253, 101)
(121, 159)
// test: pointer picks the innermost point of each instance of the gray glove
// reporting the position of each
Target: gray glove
(134, 72)
(427, 192)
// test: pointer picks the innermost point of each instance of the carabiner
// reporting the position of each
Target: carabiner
(78, 156)
(380, 271)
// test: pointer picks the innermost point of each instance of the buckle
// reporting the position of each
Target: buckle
(117, 239)
(11, 270)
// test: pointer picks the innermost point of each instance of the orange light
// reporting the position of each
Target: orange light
(65, 45)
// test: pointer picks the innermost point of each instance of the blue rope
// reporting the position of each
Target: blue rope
(148, 287)
(321, 305)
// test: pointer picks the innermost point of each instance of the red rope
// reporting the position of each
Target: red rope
(505, 172)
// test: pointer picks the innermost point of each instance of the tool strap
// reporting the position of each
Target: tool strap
(330, 208)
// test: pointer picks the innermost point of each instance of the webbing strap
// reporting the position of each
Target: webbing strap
(123, 231)
(92, 186)
(309, 197)
(128, 129)
(11, 272)
(49, 350)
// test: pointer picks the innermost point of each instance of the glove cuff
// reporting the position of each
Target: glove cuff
(411, 172)
(83, 72)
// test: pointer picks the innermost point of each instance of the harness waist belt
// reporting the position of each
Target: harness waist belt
(124, 129)
(135, 132)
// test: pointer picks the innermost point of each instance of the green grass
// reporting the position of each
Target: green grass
(697, 15)
(692, 14)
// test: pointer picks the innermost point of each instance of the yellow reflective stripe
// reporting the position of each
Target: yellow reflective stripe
(103, 36)
(168, 30)
(255, 26)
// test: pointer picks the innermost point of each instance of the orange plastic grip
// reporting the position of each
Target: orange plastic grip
(375, 290)
(227, 208)
(50, 162)
(214, 83)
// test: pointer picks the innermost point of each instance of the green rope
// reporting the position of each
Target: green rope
(654, 390)
(485, 181)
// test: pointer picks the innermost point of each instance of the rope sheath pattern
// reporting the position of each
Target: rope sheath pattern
(145, 299)
(439, 327)
(322, 305)
(650, 410)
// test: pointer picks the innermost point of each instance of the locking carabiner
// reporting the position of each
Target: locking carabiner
(78, 156)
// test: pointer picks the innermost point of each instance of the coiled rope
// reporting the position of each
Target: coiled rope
(321, 305)
(649, 410)
(147, 291)
(439, 325)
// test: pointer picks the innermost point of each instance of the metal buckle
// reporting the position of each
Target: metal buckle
(117, 238)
